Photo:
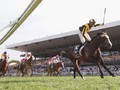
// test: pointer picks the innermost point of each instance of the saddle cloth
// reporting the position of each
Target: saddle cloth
(54, 59)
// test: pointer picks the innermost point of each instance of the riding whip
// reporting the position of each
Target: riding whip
(104, 16)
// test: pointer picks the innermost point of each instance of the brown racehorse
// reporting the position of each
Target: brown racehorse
(56, 69)
(3, 67)
(23, 67)
(91, 53)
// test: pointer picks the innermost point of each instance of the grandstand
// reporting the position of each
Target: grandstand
(52, 45)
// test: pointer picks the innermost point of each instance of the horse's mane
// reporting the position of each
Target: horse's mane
(100, 33)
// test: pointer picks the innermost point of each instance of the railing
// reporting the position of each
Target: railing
(20, 20)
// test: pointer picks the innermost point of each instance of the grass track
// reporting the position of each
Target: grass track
(60, 83)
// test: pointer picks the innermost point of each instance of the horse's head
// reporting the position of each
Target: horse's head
(105, 40)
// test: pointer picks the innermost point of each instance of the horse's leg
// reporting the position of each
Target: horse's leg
(102, 63)
(101, 73)
(55, 73)
(48, 72)
(31, 71)
(59, 71)
(22, 70)
(74, 71)
(51, 71)
(22, 73)
(78, 68)
(18, 70)
(4, 72)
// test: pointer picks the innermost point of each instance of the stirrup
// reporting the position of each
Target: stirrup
(76, 49)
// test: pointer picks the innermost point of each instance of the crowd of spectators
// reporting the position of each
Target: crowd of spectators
(111, 56)
(39, 68)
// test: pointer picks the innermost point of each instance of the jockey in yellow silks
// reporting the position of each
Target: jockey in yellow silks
(4, 56)
(83, 32)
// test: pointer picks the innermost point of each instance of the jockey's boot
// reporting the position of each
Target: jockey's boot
(80, 48)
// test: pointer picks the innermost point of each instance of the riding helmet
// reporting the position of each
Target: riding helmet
(92, 21)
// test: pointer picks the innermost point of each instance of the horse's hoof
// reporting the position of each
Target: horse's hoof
(83, 78)
(102, 77)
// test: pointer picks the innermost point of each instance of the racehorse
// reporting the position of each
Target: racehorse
(56, 69)
(91, 53)
(3, 67)
(12, 63)
(23, 67)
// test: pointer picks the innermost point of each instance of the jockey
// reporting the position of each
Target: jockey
(27, 56)
(85, 29)
(4, 55)
(54, 60)
(83, 32)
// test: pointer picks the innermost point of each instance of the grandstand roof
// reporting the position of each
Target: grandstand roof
(66, 39)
